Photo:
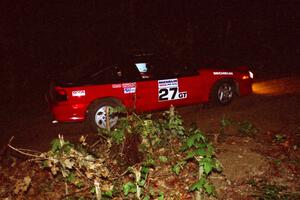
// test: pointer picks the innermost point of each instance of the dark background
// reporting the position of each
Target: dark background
(41, 38)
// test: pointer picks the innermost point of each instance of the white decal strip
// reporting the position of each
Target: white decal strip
(168, 83)
(126, 85)
(223, 73)
(116, 85)
(78, 93)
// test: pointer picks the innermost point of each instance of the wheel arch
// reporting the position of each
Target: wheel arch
(96, 101)
(230, 80)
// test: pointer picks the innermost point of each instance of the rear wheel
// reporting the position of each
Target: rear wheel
(100, 116)
(223, 92)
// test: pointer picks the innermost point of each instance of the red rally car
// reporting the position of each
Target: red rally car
(141, 86)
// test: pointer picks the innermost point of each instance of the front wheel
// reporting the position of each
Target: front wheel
(100, 116)
(223, 93)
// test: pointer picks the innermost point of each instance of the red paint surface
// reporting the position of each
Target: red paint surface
(146, 96)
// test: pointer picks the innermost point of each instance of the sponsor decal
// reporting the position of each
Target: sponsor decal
(116, 85)
(223, 73)
(168, 83)
(126, 85)
(168, 89)
(78, 93)
(129, 88)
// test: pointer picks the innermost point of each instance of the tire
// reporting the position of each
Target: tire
(223, 92)
(97, 114)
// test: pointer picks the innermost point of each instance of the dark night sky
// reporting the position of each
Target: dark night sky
(38, 38)
(55, 32)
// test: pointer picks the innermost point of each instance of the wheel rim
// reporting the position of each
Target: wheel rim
(100, 117)
(225, 93)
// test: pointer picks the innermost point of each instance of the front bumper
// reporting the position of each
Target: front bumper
(245, 87)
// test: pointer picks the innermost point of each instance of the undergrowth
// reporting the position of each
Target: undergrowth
(82, 169)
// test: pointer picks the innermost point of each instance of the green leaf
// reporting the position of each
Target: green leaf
(200, 145)
(200, 152)
(80, 184)
(210, 150)
(161, 196)
(142, 182)
(163, 159)
(118, 136)
(207, 166)
(198, 185)
(190, 142)
(67, 147)
(197, 152)
(108, 194)
(176, 169)
(129, 188)
(199, 135)
(71, 177)
(190, 155)
(45, 164)
(209, 189)
(147, 197)
(55, 145)
(145, 170)
(93, 190)
(149, 162)
(218, 165)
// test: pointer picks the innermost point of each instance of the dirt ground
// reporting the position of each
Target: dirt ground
(270, 155)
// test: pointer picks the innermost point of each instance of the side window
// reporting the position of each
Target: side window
(116, 74)
(107, 75)
(162, 73)
(142, 67)
(130, 73)
(144, 70)
(166, 71)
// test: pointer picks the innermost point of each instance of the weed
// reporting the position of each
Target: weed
(279, 138)
(140, 173)
(224, 123)
(163, 159)
(198, 149)
(247, 128)
(267, 191)
(271, 192)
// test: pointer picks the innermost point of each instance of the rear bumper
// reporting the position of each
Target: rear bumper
(66, 112)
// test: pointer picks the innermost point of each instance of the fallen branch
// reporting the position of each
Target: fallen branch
(98, 141)
(21, 151)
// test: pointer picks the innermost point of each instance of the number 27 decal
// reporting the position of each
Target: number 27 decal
(168, 89)
(166, 94)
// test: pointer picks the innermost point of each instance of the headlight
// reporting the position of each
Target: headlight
(251, 74)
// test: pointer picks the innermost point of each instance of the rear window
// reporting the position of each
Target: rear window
(75, 74)
(113, 74)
